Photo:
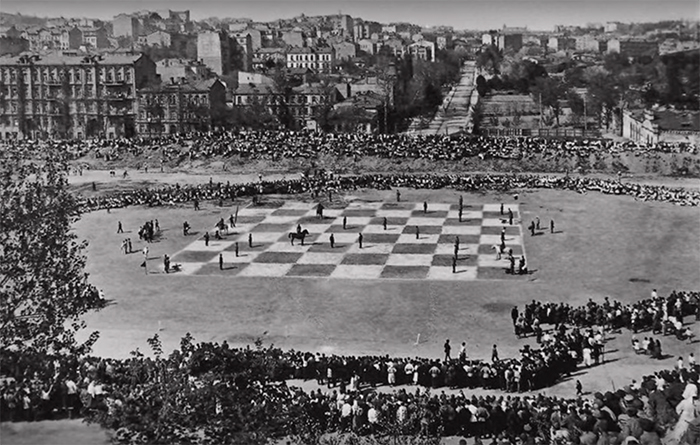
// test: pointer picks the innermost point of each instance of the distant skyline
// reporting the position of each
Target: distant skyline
(464, 14)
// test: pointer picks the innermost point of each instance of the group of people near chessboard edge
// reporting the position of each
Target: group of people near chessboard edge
(659, 405)
(280, 144)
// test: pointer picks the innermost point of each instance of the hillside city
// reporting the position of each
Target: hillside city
(156, 73)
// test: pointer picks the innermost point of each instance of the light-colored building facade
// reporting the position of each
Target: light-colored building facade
(651, 127)
(177, 70)
(321, 60)
(61, 96)
(422, 50)
(214, 50)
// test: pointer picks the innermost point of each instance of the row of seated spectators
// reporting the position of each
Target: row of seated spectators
(661, 315)
(281, 144)
(107, 389)
(177, 194)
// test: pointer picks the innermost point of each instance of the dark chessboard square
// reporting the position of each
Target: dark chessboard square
(463, 239)
(497, 273)
(193, 256)
(387, 238)
(390, 221)
(430, 214)
(278, 257)
(229, 269)
(290, 212)
(408, 272)
(323, 245)
(268, 205)
(338, 228)
(493, 230)
(398, 206)
(464, 222)
(359, 212)
(365, 259)
(311, 270)
(313, 219)
(424, 230)
(497, 215)
(463, 259)
(251, 219)
(268, 227)
(244, 247)
(487, 250)
(414, 248)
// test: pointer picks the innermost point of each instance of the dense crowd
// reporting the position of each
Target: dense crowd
(126, 394)
(661, 315)
(280, 144)
(317, 184)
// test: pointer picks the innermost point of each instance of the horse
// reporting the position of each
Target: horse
(301, 235)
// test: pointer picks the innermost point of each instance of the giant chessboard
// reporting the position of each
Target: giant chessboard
(394, 253)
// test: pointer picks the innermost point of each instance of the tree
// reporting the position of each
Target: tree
(549, 92)
(44, 290)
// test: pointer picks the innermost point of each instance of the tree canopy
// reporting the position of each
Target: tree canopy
(44, 290)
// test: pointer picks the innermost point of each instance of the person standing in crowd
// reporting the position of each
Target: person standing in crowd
(510, 217)
(384, 223)
(398, 195)
(345, 222)
(119, 227)
(551, 226)
(494, 354)
(332, 240)
(448, 349)
(359, 240)
(250, 240)
(463, 352)
(206, 239)
(454, 263)
(221, 261)
(235, 246)
(425, 207)
(417, 232)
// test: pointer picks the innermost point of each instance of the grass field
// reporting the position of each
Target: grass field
(604, 246)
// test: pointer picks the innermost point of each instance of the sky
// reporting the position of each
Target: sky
(461, 14)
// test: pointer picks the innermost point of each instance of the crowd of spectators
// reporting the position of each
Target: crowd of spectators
(280, 144)
(661, 315)
(112, 391)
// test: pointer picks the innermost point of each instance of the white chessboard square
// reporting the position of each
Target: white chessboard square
(464, 249)
(489, 260)
(495, 222)
(497, 207)
(424, 221)
(378, 228)
(283, 246)
(461, 230)
(389, 213)
(464, 273)
(265, 270)
(214, 245)
(490, 240)
(274, 219)
(263, 237)
(297, 205)
(436, 206)
(321, 258)
(332, 213)
(466, 214)
(357, 271)
(353, 221)
(186, 268)
(409, 259)
(410, 238)
(365, 205)
(369, 247)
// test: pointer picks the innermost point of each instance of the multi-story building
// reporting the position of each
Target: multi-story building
(651, 127)
(588, 43)
(265, 58)
(306, 102)
(72, 96)
(559, 43)
(255, 37)
(214, 49)
(320, 60)
(633, 47)
(179, 107)
(344, 50)
(95, 37)
(175, 70)
(343, 23)
(157, 38)
(395, 47)
(265, 95)
(364, 30)
(126, 26)
(422, 50)
(512, 41)
(13, 45)
(368, 46)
